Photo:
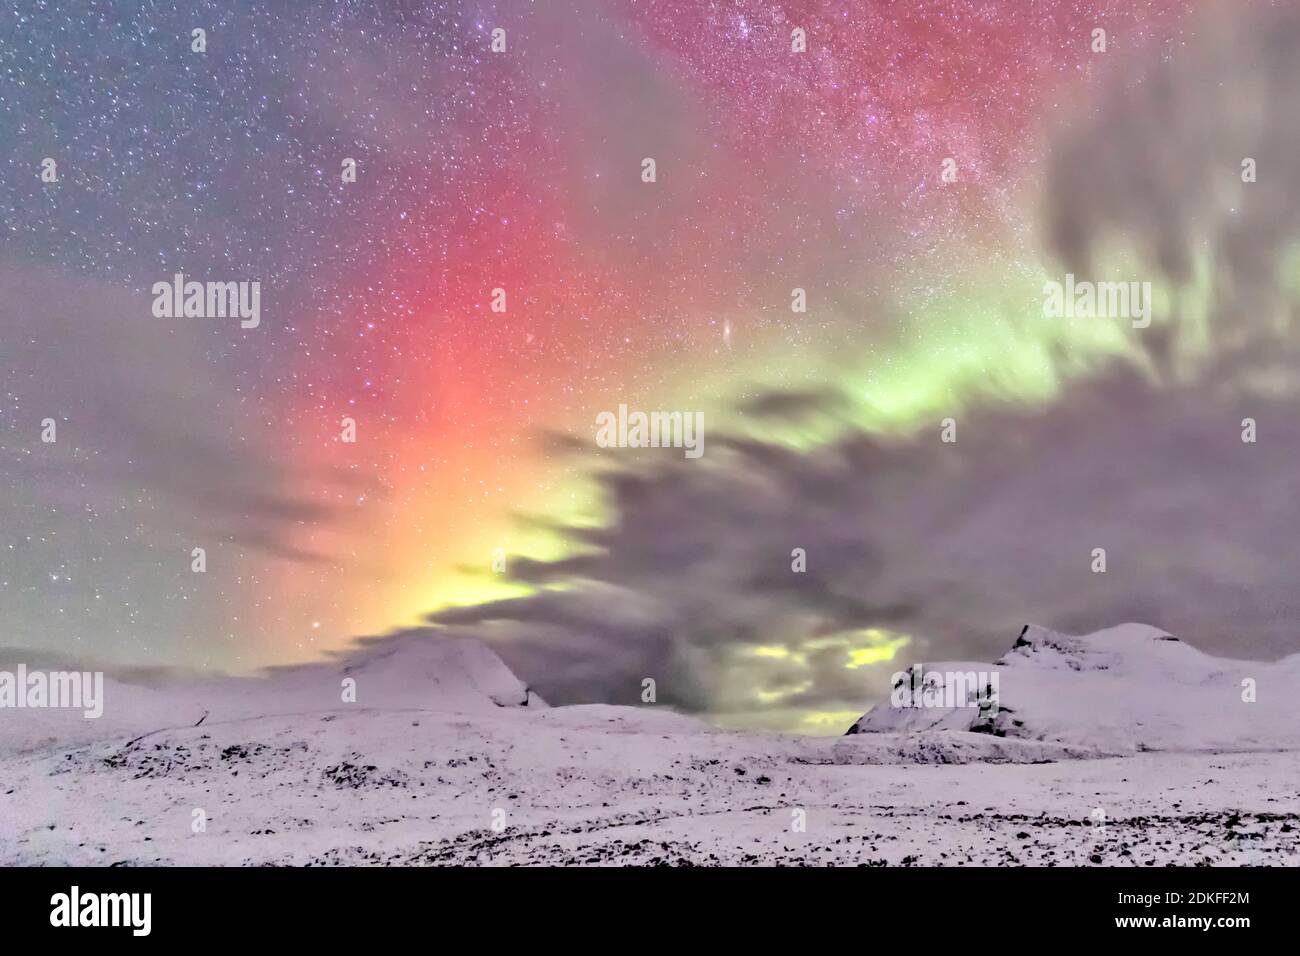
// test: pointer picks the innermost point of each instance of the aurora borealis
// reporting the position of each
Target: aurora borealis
(520, 170)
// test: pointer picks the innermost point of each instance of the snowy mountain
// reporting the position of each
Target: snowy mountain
(1120, 690)
(406, 672)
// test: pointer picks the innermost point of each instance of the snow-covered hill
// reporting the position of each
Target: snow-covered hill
(409, 672)
(1120, 690)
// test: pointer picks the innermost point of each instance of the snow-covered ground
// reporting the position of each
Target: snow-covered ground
(465, 774)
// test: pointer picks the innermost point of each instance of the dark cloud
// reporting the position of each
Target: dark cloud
(140, 408)
(954, 545)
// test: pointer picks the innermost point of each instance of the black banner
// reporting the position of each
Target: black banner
(531, 905)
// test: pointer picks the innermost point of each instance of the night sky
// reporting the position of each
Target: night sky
(521, 170)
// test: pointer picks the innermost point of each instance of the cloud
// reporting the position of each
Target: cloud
(1161, 167)
(936, 550)
(954, 546)
(141, 408)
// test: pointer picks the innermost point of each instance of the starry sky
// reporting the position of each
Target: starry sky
(521, 170)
